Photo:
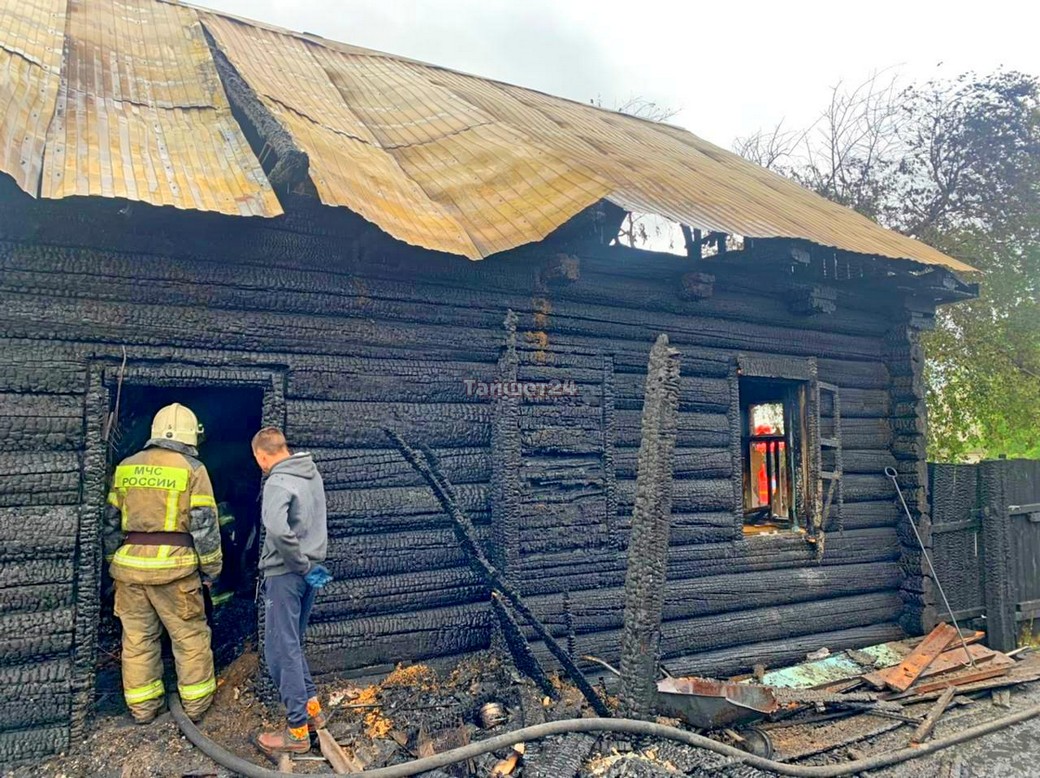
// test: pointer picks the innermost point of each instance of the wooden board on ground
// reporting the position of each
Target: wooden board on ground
(1022, 672)
(955, 659)
(951, 659)
(997, 666)
(285, 763)
(924, 729)
(342, 762)
(902, 676)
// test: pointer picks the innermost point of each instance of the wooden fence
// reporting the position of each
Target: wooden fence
(985, 536)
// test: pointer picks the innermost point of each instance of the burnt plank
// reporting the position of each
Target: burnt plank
(903, 675)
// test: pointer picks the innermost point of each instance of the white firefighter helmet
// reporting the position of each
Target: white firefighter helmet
(177, 422)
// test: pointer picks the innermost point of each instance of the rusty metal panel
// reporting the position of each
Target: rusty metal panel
(500, 166)
(135, 111)
(32, 33)
(424, 164)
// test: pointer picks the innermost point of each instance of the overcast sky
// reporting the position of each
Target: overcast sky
(729, 68)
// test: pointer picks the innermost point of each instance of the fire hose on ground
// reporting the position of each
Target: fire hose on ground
(225, 758)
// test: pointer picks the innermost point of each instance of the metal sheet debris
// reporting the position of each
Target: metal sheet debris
(707, 703)
(834, 668)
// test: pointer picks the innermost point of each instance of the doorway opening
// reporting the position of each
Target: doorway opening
(230, 416)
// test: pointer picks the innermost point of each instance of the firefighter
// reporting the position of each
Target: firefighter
(162, 539)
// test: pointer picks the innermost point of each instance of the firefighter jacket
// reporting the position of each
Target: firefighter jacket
(162, 489)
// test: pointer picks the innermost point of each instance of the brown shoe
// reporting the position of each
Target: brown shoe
(316, 718)
(291, 740)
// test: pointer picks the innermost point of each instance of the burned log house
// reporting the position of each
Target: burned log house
(273, 228)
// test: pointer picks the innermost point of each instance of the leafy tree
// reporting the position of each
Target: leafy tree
(956, 164)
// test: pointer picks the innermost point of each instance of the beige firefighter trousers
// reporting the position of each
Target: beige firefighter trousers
(144, 610)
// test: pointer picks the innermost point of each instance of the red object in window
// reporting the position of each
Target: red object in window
(763, 478)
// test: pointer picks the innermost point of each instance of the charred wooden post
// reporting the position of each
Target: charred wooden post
(520, 650)
(648, 546)
(466, 535)
(88, 573)
(609, 455)
(693, 247)
(997, 556)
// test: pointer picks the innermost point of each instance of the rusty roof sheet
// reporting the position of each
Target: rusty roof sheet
(436, 158)
(32, 33)
(133, 110)
(470, 166)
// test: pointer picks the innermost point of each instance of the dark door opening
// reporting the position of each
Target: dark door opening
(230, 416)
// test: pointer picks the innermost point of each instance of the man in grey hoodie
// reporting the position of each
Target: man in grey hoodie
(294, 547)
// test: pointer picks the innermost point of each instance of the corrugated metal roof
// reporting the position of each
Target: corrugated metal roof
(426, 165)
(136, 109)
(32, 33)
(436, 158)
(470, 166)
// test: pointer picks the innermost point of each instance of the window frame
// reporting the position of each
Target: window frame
(796, 378)
(789, 395)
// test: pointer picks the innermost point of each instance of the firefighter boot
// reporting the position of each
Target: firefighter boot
(291, 740)
(316, 718)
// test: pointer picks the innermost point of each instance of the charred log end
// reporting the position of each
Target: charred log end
(291, 171)
(812, 300)
(697, 286)
(286, 165)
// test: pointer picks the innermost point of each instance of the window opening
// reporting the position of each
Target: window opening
(773, 454)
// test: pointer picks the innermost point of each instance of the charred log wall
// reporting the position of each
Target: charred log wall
(371, 336)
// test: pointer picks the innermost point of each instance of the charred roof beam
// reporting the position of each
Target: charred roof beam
(286, 165)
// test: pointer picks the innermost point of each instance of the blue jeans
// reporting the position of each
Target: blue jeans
(287, 602)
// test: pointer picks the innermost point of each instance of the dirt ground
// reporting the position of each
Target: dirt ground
(115, 746)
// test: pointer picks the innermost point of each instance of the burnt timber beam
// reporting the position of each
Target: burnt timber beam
(506, 463)
(648, 546)
(519, 648)
(873, 274)
(466, 536)
(785, 260)
(290, 168)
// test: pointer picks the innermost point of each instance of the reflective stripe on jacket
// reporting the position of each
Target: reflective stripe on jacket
(162, 488)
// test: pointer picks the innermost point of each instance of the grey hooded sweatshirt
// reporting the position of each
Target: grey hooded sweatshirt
(294, 517)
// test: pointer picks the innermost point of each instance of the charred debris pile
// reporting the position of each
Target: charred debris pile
(831, 709)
